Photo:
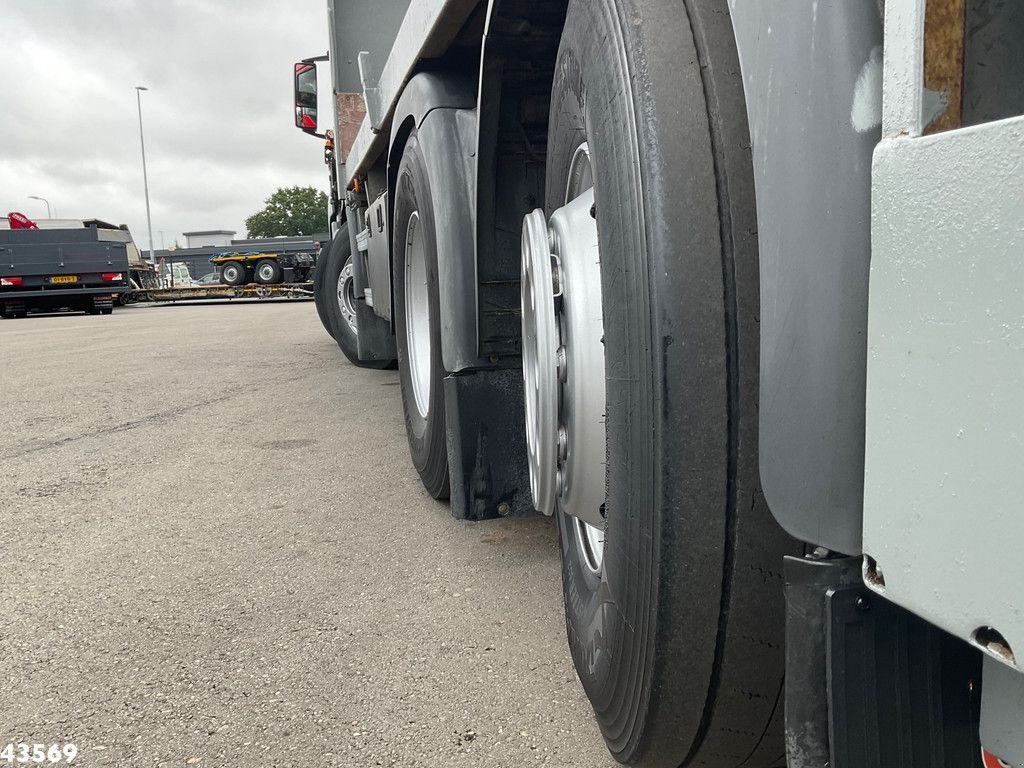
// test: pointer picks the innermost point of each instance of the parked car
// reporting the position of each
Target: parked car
(213, 278)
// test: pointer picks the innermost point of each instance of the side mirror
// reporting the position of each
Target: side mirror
(305, 97)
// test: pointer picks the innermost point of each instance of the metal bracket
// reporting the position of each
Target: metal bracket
(369, 75)
(902, 692)
(869, 684)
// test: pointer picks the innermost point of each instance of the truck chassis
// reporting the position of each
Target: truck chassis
(280, 291)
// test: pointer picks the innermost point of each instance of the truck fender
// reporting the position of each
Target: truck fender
(442, 110)
(812, 81)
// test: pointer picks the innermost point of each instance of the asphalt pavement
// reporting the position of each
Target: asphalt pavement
(214, 551)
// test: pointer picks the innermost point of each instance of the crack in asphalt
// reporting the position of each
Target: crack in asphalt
(153, 418)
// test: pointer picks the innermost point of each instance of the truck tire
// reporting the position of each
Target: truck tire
(417, 320)
(268, 272)
(232, 273)
(337, 299)
(677, 630)
(321, 296)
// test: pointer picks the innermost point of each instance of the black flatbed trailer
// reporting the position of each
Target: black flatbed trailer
(52, 269)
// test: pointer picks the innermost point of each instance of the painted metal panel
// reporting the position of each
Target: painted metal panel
(812, 78)
(360, 25)
(427, 29)
(904, 69)
(945, 416)
(1002, 702)
(378, 258)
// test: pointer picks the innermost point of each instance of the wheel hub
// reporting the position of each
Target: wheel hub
(563, 363)
(540, 361)
(346, 297)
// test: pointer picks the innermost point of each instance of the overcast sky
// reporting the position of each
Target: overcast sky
(219, 127)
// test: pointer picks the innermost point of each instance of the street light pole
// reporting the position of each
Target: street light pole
(36, 197)
(145, 178)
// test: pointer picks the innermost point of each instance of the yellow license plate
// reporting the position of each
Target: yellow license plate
(64, 279)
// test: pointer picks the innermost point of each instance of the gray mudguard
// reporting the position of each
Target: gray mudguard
(812, 77)
(442, 109)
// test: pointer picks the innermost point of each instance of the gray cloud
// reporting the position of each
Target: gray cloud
(218, 117)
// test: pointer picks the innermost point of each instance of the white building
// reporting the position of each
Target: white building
(212, 237)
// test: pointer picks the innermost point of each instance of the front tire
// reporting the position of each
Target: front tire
(676, 630)
(321, 292)
(417, 320)
(338, 307)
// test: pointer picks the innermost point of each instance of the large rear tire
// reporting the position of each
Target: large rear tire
(676, 629)
(417, 320)
(268, 272)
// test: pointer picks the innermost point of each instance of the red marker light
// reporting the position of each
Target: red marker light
(112, 277)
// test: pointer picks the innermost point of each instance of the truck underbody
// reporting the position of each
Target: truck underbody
(731, 291)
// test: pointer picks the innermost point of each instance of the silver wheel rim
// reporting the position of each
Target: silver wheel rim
(589, 538)
(563, 362)
(347, 297)
(540, 361)
(266, 272)
(417, 314)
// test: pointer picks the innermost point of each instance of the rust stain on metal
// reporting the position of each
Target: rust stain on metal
(944, 59)
(351, 111)
(1002, 651)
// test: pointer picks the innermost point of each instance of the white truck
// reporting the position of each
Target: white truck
(733, 289)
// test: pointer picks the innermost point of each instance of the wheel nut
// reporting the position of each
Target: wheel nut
(563, 443)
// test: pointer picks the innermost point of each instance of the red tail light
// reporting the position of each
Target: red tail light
(11, 281)
(112, 277)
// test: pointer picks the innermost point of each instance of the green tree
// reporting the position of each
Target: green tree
(290, 211)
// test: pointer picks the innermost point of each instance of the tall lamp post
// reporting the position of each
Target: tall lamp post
(36, 197)
(145, 178)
